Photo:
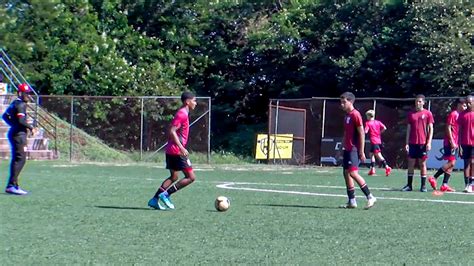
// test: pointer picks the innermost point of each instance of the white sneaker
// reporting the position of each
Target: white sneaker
(370, 203)
(349, 205)
(469, 188)
(15, 190)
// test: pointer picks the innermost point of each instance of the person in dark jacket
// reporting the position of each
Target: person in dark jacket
(16, 117)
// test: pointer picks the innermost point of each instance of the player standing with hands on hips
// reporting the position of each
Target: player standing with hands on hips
(16, 117)
(176, 155)
(353, 145)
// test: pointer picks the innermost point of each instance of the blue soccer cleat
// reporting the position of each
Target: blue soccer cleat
(153, 203)
(166, 200)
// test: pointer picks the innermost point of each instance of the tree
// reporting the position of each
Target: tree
(441, 61)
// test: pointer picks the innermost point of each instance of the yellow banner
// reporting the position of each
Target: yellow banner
(282, 142)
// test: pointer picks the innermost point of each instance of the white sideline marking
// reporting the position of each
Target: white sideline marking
(230, 185)
(325, 186)
(203, 169)
(63, 165)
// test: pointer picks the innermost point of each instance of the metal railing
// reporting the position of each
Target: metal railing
(41, 118)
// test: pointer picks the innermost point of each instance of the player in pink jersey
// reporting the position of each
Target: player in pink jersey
(353, 146)
(176, 155)
(466, 139)
(375, 128)
(450, 146)
(418, 141)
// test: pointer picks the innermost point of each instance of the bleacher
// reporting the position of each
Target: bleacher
(38, 146)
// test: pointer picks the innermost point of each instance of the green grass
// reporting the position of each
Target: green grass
(97, 214)
(219, 157)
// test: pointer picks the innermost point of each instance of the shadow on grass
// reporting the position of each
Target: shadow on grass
(123, 208)
(214, 211)
(294, 206)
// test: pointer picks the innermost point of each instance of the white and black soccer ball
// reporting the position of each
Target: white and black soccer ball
(222, 204)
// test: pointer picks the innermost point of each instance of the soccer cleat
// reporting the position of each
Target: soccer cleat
(423, 189)
(466, 188)
(446, 188)
(155, 204)
(469, 189)
(432, 182)
(371, 171)
(348, 205)
(388, 170)
(166, 200)
(370, 203)
(15, 190)
(407, 188)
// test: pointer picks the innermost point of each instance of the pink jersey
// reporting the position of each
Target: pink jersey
(352, 120)
(419, 126)
(374, 128)
(466, 128)
(181, 121)
(452, 120)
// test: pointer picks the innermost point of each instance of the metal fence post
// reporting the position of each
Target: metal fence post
(269, 130)
(71, 128)
(276, 131)
(323, 124)
(209, 134)
(141, 129)
(324, 119)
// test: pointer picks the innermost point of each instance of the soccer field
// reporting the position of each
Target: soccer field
(98, 214)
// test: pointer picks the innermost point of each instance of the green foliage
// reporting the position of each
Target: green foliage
(242, 53)
(442, 60)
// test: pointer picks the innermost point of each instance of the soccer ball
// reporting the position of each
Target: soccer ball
(222, 204)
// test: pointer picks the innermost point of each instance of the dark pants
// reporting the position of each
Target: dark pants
(18, 144)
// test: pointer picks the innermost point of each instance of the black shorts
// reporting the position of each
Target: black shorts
(449, 153)
(417, 151)
(350, 160)
(375, 148)
(467, 151)
(178, 163)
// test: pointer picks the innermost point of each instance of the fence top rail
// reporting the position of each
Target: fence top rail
(361, 98)
(122, 97)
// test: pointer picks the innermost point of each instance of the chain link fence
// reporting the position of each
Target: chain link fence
(324, 126)
(121, 128)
